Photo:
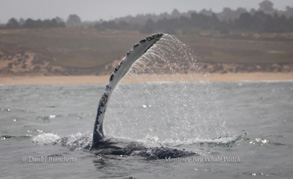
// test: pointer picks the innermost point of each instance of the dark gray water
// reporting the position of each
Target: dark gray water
(240, 130)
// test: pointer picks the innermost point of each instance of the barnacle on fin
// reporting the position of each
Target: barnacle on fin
(142, 41)
(112, 76)
(135, 46)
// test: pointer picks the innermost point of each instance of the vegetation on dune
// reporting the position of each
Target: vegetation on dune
(73, 49)
(70, 51)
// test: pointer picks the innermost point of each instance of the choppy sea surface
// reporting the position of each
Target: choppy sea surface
(239, 130)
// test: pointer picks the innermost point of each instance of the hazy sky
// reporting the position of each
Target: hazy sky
(109, 9)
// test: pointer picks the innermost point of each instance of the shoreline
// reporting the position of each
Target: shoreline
(212, 77)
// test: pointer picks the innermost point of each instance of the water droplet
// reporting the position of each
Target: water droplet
(144, 106)
(14, 120)
(40, 131)
(52, 116)
(257, 139)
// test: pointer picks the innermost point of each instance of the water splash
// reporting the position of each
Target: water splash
(45, 138)
(157, 98)
(76, 141)
(222, 141)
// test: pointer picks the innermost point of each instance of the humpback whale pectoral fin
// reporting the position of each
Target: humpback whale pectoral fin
(119, 72)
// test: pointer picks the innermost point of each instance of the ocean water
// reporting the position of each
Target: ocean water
(239, 130)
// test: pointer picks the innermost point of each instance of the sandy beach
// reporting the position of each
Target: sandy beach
(228, 77)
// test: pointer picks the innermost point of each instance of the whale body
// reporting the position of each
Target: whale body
(103, 145)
